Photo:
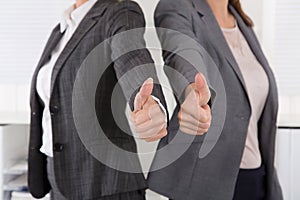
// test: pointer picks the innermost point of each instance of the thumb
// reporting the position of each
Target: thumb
(202, 88)
(143, 94)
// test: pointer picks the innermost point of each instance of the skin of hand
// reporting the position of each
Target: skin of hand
(148, 118)
(195, 114)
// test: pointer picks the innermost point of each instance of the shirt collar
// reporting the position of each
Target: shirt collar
(72, 16)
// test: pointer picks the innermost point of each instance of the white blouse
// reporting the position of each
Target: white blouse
(69, 22)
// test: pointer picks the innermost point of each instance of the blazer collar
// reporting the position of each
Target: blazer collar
(216, 36)
(98, 9)
(84, 27)
(53, 40)
(201, 6)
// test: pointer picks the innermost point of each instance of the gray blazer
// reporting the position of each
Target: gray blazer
(212, 176)
(79, 175)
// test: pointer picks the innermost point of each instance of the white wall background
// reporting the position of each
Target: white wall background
(25, 27)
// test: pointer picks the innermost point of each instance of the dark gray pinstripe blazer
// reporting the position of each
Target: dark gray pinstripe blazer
(78, 174)
(214, 176)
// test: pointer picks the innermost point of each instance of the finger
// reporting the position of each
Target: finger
(132, 117)
(154, 112)
(147, 88)
(149, 124)
(190, 131)
(143, 120)
(197, 126)
(190, 105)
(195, 129)
(143, 94)
(200, 81)
(149, 103)
(187, 130)
(160, 135)
(192, 109)
(205, 114)
(189, 118)
(188, 125)
(151, 132)
(201, 114)
(141, 117)
(202, 89)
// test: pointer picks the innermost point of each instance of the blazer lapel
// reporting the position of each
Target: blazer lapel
(84, 27)
(258, 53)
(54, 38)
(216, 36)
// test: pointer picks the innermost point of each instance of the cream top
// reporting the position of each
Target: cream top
(257, 85)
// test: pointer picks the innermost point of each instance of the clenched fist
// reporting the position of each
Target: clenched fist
(195, 115)
(148, 118)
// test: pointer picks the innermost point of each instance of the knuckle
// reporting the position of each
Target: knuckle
(162, 126)
(139, 135)
(209, 124)
(208, 111)
(200, 133)
(205, 126)
(209, 120)
(179, 116)
(189, 132)
(132, 117)
(205, 118)
(182, 129)
(135, 128)
(164, 133)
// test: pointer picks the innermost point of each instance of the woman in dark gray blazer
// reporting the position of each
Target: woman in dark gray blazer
(238, 158)
(64, 134)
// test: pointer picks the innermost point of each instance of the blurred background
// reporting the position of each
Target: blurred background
(26, 25)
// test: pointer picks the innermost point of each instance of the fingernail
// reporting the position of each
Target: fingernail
(149, 80)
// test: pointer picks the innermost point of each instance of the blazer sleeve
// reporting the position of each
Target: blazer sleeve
(183, 55)
(133, 63)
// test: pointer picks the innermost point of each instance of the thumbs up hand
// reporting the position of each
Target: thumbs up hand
(195, 115)
(148, 118)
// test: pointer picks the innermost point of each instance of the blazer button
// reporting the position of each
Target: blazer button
(242, 117)
(54, 109)
(58, 147)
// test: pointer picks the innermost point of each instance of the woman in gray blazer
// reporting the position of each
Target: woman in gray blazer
(64, 134)
(238, 158)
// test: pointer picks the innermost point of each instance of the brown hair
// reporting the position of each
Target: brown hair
(237, 5)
